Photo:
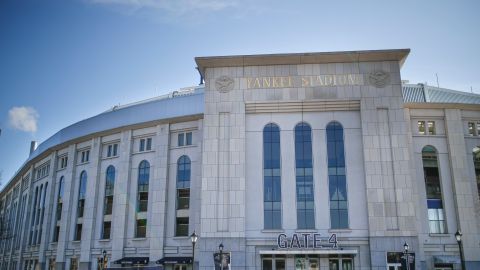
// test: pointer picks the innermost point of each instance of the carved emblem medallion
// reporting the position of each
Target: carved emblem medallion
(224, 84)
(379, 78)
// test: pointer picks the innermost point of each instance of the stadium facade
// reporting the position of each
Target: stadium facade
(290, 161)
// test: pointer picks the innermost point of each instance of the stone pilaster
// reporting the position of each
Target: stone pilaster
(91, 203)
(389, 184)
(121, 194)
(463, 186)
(68, 205)
(158, 197)
(48, 208)
(223, 169)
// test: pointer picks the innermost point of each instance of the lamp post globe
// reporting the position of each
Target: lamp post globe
(405, 253)
(193, 238)
(458, 237)
(220, 247)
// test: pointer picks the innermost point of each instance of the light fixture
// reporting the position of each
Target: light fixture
(220, 247)
(193, 238)
(458, 236)
(405, 247)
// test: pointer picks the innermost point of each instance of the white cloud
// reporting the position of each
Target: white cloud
(23, 118)
(177, 7)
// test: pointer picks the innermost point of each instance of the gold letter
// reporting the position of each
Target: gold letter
(319, 80)
(328, 79)
(305, 82)
(266, 82)
(351, 79)
(275, 83)
(249, 83)
(257, 83)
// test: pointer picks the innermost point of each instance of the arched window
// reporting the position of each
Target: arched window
(183, 172)
(60, 198)
(108, 201)
(58, 212)
(183, 195)
(34, 210)
(42, 211)
(143, 182)
(82, 192)
(142, 198)
(304, 177)
(272, 195)
(436, 215)
(109, 186)
(337, 181)
(476, 164)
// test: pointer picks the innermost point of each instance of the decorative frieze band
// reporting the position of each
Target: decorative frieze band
(302, 106)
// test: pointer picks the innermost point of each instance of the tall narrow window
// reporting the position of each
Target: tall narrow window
(183, 195)
(436, 215)
(421, 127)
(471, 128)
(476, 163)
(272, 195)
(142, 198)
(108, 202)
(32, 225)
(60, 199)
(337, 182)
(431, 127)
(304, 177)
(143, 182)
(58, 212)
(109, 186)
(42, 206)
(82, 189)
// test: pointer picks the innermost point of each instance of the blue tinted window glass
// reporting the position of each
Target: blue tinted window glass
(434, 190)
(110, 181)
(271, 177)
(143, 183)
(183, 172)
(181, 140)
(304, 176)
(336, 176)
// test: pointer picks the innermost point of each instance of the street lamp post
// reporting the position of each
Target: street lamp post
(193, 238)
(458, 236)
(220, 247)
(405, 252)
(105, 260)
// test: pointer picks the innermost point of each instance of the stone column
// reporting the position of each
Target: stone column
(46, 226)
(121, 191)
(223, 167)
(91, 202)
(158, 203)
(68, 192)
(23, 228)
(463, 188)
(387, 157)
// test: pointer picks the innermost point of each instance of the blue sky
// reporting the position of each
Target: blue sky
(64, 61)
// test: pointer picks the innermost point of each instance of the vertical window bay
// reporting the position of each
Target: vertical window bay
(436, 215)
(272, 197)
(304, 177)
(337, 181)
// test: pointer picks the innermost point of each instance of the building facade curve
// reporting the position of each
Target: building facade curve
(285, 161)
